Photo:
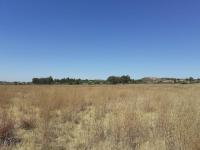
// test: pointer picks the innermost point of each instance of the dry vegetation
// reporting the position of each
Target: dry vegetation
(129, 117)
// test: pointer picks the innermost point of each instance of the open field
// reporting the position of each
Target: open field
(121, 117)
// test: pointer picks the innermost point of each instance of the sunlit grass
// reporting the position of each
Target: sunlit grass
(124, 117)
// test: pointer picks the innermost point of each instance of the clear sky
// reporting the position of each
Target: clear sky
(97, 38)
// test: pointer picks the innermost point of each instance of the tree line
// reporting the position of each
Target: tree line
(125, 79)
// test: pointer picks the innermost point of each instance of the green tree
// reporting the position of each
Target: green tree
(113, 80)
(125, 79)
(191, 79)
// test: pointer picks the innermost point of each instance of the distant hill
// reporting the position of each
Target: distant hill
(5, 83)
(13, 83)
(151, 80)
(157, 80)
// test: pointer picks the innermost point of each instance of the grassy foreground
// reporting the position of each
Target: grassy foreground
(122, 117)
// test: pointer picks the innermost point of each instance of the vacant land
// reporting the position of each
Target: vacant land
(122, 117)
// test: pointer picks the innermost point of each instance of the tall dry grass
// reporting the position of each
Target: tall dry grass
(122, 117)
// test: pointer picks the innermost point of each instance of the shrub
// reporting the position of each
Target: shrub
(28, 124)
(7, 136)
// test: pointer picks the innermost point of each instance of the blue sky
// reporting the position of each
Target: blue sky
(97, 38)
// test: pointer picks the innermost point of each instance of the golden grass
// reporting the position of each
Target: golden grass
(121, 117)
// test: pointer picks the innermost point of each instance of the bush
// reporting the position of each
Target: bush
(7, 133)
(28, 124)
(125, 79)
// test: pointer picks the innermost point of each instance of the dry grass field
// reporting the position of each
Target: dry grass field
(121, 117)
